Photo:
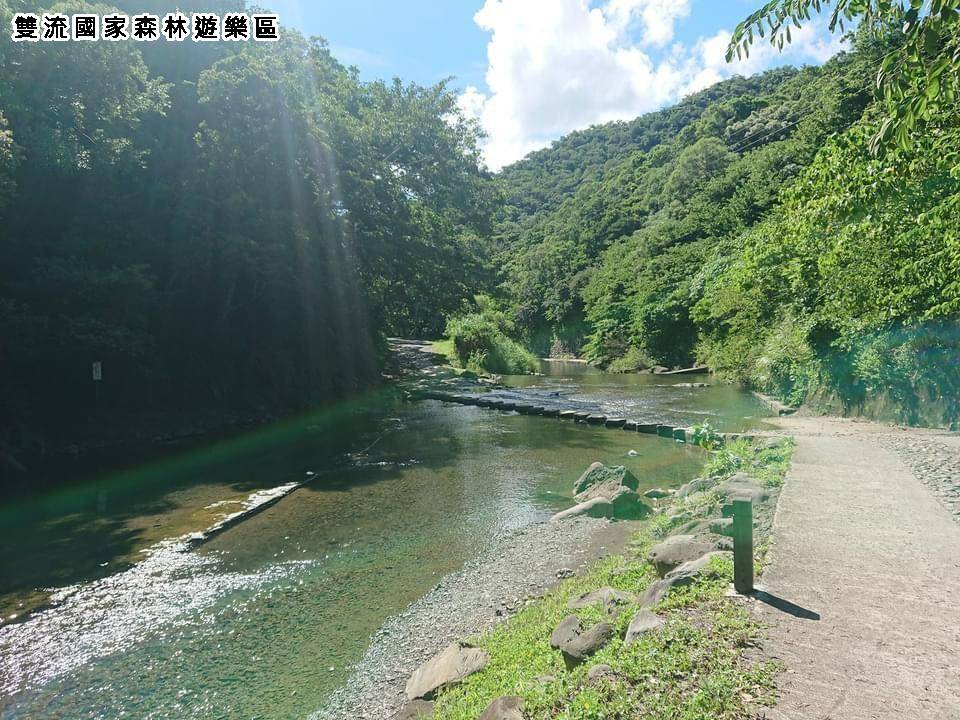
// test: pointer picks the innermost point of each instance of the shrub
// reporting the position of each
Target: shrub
(481, 343)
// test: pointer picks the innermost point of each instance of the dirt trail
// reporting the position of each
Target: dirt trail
(864, 576)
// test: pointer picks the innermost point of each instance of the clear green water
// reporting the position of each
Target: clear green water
(264, 620)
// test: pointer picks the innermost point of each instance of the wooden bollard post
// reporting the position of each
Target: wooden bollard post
(742, 532)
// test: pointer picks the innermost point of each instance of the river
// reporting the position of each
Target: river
(265, 619)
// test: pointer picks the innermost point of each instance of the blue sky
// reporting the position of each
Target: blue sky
(533, 70)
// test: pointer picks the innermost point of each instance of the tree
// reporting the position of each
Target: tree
(918, 77)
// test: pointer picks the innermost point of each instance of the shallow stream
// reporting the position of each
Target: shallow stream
(265, 619)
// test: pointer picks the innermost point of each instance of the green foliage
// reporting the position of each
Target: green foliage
(768, 462)
(481, 341)
(851, 286)
(706, 436)
(633, 360)
(630, 248)
(226, 226)
(919, 77)
(692, 667)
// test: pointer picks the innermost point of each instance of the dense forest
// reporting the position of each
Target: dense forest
(753, 227)
(226, 227)
(236, 228)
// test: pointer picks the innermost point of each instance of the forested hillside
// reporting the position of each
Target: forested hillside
(751, 227)
(224, 226)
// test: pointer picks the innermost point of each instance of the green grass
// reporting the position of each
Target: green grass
(692, 668)
(768, 465)
(445, 347)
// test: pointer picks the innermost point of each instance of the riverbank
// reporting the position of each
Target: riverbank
(468, 602)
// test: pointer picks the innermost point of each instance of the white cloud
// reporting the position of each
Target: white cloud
(559, 65)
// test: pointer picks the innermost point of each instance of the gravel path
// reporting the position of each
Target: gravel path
(464, 603)
(870, 560)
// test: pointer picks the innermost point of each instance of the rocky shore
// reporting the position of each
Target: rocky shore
(487, 589)
(934, 460)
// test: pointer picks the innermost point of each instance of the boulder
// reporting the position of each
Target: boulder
(682, 575)
(743, 484)
(598, 474)
(504, 708)
(448, 667)
(598, 508)
(568, 629)
(657, 493)
(721, 526)
(692, 569)
(620, 504)
(676, 550)
(642, 623)
(695, 486)
(611, 599)
(415, 709)
(577, 643)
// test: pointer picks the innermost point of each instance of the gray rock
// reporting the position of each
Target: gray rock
(695, 486)
(692, 569)
(448, 667)
(599, 473)
(743, 484)
(642, 623)
(676, 550)
(682, 575)
(657, 493)
(577, 643)
(568, 629)
(415, 709)
(598, 508)
(721, 526)
(611, 599)
(590, 642)
(504, 708)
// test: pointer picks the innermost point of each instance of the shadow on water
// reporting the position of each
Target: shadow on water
(96, 523)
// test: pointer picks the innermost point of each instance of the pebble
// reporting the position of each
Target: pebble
(934, 463)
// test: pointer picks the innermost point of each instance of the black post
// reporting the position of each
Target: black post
(743, 544)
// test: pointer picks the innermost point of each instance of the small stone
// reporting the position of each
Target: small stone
(657, 493)
(504, 708)
(448, 667)
(642, 623)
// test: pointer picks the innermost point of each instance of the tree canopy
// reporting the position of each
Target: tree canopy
(232, 227)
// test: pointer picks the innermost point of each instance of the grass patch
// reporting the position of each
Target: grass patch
(692, 668)
(480, 344)
(445, 347)
(767, 463)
